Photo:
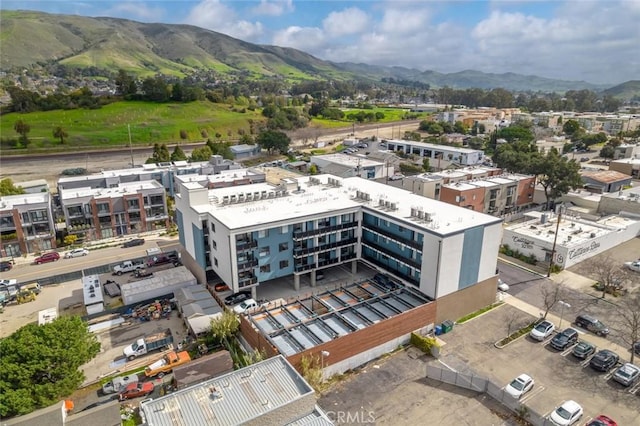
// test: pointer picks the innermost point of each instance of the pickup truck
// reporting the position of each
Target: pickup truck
(127, 266)
(246, 305)
(163, 258)
(148, 343)
(118, 384)
(9, 290)
(167, 363)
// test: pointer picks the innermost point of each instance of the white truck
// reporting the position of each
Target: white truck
(117, 384)
(146, 344)
(127, 266)
(246, 305)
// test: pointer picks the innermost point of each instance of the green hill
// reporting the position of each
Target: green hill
(625, 91)
(29, 38)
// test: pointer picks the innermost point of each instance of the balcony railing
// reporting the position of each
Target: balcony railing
(244, 282)
(297, 252)
(304, 267)
(411, 243)
(248, 265)
(246, 245)
(405, 277)
(393, 255)
(328, 262)
(297, 235)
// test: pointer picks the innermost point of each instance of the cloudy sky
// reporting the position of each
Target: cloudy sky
(595, 41)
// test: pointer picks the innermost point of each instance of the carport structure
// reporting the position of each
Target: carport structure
(303, 324)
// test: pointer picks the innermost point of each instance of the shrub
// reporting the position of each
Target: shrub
(184, 134)
(424, 343)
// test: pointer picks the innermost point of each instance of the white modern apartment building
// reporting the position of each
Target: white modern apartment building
(251, 234)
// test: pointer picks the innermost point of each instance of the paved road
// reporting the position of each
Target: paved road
(28, 272)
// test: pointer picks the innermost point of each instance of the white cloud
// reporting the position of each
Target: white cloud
(134, 10)
(345, 22)
(273, 8)
(307, 39)
(408, 19)
(216, 16)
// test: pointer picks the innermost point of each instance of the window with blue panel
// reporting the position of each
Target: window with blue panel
(180, 224)
(471, 253)
(198, 243)
(275, 252)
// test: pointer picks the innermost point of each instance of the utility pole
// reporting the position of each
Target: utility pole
(130, 145)
(555, 240)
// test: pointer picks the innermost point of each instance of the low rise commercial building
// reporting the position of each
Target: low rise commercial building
(343, 165)
(268, 393)
(628, 166)
(570, 239)
(461, 156)
(603, 181)
(26, 224)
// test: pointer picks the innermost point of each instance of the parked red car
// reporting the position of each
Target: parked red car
(47, 257)
(602, 420)
(135, 390)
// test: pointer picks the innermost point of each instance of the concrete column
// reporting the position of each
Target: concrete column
(254, 293)
(313, 278)
(296, 282)
(354, 267)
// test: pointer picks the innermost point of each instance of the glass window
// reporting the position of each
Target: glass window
(265, 268)
(214, 244)
(284, 229)
(264, 251)
(263, 233)
(284, 264)
(215, 261)
(283, 246)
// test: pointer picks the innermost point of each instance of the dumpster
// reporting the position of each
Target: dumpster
(438, 329)
(447, 326)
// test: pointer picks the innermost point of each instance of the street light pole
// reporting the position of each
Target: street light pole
(562, 306)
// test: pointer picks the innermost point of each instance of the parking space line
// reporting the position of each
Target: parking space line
(538, 390)
(585, 363)
(635, 388)
(610, 374)
(568, 350)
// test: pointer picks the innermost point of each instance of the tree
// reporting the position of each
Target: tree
(160, 154)
(22, 128)
(556, 174)
(125, 84)
(225, 326)
(40, 363)
(607, 151)
(552, 292)
(607, 272)
(178, 154)
(628, 321)
(570, 126)
(60, 133)
(273, 140)
(8, 188)
(201, 154)
(425, 165)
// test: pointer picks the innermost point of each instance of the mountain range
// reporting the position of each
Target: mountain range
(30, 38)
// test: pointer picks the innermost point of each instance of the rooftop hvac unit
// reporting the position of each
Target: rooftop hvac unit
(394, 206)
(381, 203)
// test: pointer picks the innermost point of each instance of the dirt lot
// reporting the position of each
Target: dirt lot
(395, 391)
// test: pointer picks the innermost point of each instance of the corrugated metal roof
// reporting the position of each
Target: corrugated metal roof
(316, 418)
(231, 399)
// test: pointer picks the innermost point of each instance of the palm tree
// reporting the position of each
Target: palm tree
(60, 133)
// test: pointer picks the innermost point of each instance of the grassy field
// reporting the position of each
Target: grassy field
(390, 115)
(149, 123)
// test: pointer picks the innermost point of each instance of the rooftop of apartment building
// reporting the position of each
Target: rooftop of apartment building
(487, 182)
(9, 202)
(631, 194)
(223, 176)
(308, 196)
(348, 160)
(605, 176)
(433, 146)
(572, 230)
(127, 188)
(457, 173)
(632, 161)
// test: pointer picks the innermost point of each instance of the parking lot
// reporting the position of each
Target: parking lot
(558, 375)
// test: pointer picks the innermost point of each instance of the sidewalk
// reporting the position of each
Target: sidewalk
(600, 342)
(572, 280)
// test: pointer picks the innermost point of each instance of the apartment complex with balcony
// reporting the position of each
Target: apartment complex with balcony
(26, 224)
(495, 195)
(126, 208)
(164, 173)
(253, 234)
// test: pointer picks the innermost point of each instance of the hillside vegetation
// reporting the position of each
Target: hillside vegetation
(110, 44)
(149, 122)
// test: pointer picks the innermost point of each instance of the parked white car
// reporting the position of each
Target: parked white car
(566, 414)
(397, 176)
(542, 330)
(634, 266)
(502, 286)
(76, 253)
(519, 386)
